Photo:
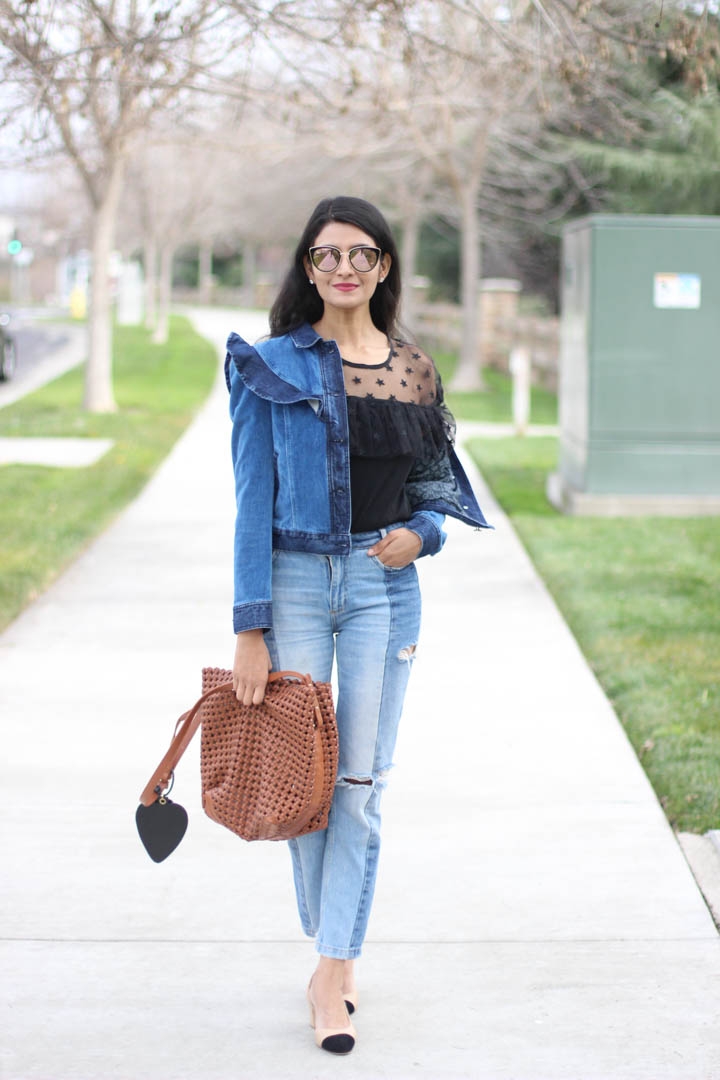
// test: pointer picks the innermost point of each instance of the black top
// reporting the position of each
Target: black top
(396, 416)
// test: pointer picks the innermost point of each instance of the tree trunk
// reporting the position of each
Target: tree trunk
(468, 374)
(167, 253)
(150, 260)
(205, 274)
(248, 273)
(408, 255)
(98, 371)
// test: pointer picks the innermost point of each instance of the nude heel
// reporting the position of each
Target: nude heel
(334, 1040)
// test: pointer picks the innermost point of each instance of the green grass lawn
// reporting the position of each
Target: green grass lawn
(49, 514)
(495, 403)
(642, 596)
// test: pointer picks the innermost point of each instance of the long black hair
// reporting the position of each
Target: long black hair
(298, 302)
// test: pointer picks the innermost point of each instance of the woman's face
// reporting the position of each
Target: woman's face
(345, 288)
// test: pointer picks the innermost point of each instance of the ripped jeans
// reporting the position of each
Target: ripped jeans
(366, 616)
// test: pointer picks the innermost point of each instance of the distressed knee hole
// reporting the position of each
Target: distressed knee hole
(377, 780)
(407, 653)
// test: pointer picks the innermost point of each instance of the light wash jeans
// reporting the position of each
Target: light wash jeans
(367, 616)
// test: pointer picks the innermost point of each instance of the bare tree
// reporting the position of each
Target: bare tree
(429, 84)
(90, 75)
(173, 194)
(412, 101)
(467, 87)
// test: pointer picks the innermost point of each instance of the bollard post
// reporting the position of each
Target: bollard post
(520, 371)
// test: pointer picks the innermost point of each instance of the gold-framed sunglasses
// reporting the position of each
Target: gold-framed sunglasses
(326, 258)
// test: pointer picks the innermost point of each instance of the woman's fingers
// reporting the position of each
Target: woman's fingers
(250, 693)
(251, 667)
(397, 548)
(250, 690)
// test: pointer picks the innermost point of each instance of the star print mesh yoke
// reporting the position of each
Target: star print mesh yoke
(396, 416)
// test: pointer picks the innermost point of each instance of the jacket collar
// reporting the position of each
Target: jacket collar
(304, 336)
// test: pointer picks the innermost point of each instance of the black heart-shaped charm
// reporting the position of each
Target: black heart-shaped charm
(161, 826)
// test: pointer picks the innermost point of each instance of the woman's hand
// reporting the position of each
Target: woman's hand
(251, 667)
(397, 548)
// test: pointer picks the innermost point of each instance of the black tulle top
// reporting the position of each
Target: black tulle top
(396, 416)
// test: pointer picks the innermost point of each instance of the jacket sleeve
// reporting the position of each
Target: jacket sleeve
(252, 455)
(428, 524)
(429, 481)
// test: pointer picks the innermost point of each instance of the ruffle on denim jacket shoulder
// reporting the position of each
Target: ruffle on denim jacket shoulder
(258, 376)
(382, 428)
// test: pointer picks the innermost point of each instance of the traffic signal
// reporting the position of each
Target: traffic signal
(14, 247)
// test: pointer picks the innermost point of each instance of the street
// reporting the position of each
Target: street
(45, 349)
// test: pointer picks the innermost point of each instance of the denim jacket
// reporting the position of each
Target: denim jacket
(291, 458)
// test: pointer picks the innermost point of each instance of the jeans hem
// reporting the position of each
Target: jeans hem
(338, 954)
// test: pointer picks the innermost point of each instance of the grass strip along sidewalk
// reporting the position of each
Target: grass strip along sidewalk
(641, 596)
(50, 514)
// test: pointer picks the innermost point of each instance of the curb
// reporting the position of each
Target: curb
(703, 857)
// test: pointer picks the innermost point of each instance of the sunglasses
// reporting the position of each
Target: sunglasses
(326, 258)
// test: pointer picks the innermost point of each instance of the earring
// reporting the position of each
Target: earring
(310, 280)
(381, 279)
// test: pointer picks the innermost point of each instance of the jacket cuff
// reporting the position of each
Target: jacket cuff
(257, 616)
(427, 525)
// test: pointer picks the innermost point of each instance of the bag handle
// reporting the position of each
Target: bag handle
(187, 725)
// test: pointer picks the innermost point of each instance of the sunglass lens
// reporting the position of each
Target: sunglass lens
(363, 258)
(325, 258)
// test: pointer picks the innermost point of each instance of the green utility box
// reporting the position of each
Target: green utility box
(640, 366)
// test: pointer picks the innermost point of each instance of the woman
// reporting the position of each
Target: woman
(344, 470)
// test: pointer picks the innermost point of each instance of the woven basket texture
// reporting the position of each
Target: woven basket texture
(258, 762)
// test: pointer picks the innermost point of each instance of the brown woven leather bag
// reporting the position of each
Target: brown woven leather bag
(268, 771)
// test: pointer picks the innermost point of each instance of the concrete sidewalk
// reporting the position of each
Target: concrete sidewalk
(535, 918)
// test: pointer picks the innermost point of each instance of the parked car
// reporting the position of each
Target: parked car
(8, 355)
